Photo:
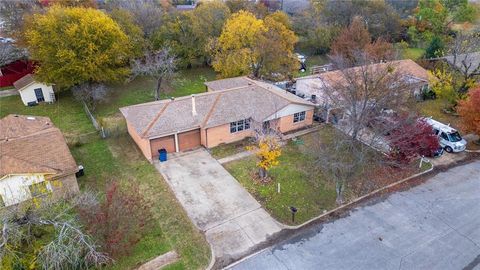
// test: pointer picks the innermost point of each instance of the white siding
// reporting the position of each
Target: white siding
(28, 92)
(14, 188)
(289, 110)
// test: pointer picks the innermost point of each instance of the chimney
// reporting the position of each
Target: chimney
(194, 109)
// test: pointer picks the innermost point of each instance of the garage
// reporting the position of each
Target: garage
(167, 142)
(189, 140)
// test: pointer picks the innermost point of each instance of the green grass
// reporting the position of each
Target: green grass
(66, 113)
(6, 88)
(141, 89)
(302, 184)
(118, 159)
(225, 150)
(312, 60)
(434, 108)
(413, 53)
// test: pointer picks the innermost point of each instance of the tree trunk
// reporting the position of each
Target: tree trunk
(262, 173)
(157, 91)
(339, 190)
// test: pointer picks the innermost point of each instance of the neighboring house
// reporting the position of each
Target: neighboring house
(225, 114)
(468, 63)
(315, 86)
(33, 92)
(34, 160)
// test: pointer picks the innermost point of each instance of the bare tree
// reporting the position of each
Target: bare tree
(91, 94)
(69, 247)
(464, 56)
(362, 93)
(160, 65)
(9, 53)
(12, 13)
(147, 13)
(342, 160)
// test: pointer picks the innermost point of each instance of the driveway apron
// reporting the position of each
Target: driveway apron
(232, 220)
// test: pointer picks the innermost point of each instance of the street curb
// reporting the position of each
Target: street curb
(358, 199)
(289, 227)
(212, 259)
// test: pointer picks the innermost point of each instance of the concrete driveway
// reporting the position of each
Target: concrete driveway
(433, 226)
(233, 221)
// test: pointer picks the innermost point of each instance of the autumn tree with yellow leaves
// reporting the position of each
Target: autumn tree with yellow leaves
(77, 45)
(251, 46)
(267, 154)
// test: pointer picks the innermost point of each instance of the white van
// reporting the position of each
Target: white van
(448, 137)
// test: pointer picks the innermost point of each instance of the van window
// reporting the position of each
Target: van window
(435, 131)
(455, 137)
(444, 136)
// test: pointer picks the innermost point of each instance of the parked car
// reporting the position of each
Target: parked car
(448, 137)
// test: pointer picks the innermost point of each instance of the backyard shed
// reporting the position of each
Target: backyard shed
(33, 92)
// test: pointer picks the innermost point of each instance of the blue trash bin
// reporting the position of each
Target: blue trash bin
(162, 155)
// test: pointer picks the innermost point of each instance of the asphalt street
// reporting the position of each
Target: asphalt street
(435, 225)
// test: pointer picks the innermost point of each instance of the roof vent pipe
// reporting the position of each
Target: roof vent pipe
(194, 108)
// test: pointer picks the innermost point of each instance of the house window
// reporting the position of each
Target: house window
(298, 117)
(38, 189)
(239, 125)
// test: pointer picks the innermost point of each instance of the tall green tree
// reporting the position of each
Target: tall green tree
(207, 24)
(177, 34)
(77, 45)
(262, 48)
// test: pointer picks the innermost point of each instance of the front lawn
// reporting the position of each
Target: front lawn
(66, 113)
(302, 183)
(118, 159)
(140, 90)
(229, 149)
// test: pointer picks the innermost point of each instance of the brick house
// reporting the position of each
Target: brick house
(34, 160)
(224, 114)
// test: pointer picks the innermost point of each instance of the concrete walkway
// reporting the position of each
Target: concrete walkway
(433, 226)
(237, 156)
(10, 92)
(232, 220)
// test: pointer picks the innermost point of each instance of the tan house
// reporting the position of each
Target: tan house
(315, 86)
(34, 160)
(224, 114)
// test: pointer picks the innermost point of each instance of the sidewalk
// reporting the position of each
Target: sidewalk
(10, 92)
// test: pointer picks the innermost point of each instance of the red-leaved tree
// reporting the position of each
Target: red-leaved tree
(119, 221)
(411, 137)
(469, 111)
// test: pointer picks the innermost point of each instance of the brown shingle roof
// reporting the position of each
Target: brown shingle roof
(405, 67)
(40, 148)
(13, 126)
(257, 101)
(24, 81)
(229, 83)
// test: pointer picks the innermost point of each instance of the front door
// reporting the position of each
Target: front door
(39, 95)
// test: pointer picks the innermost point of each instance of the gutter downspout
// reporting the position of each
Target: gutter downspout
(176, 142)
